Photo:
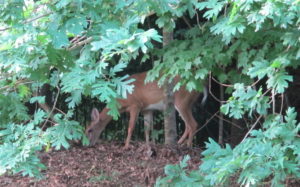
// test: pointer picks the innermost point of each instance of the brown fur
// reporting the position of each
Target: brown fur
(143, 96)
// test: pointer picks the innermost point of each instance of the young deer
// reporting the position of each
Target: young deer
(145, 98)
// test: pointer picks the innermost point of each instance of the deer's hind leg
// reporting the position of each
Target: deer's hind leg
(133, 112)
(148, 124)
(184, 104)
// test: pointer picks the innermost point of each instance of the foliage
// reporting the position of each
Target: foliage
(261, 39)
(80, 48)
(177, 175)
(271, 155)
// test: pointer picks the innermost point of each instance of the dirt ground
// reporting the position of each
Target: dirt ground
(106, 164)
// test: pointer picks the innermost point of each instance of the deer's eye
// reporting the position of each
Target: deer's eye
(90, 130)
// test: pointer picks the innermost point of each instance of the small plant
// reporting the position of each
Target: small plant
(103, 177)
(177, 175)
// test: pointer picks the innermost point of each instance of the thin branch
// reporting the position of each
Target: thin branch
(253, 84)
(211, 118)
(221, 124)
(29, 20)
(206, 122)
(230, 85)
(209, 86)
(287, 102)
(75, 46)
(267, 92)
(237, 126)
(256, 122)
(36, 18)
(54, 106)
(77, 39)
(187, 22)
(60, 111)
(51, 122)
(273, 100)
(222, 84)
(198, 22)
(20, 82)
(281, 107)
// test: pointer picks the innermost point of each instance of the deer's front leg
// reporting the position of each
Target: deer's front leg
(133, 112)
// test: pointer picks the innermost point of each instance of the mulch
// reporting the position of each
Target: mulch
(109, 164)
(106, 164)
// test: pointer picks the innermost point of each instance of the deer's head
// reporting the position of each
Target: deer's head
(95, 128)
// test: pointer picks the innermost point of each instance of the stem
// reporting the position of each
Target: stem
(221, 124)
(256, 122)
(53, 107)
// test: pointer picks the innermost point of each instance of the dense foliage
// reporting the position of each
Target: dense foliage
(79, 47)
(270, 156)
(262, 38)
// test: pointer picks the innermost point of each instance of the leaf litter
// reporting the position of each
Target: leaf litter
(106, 164)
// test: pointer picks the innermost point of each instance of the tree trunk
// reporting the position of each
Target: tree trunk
(169, 110)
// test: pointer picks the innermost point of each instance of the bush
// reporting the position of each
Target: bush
(270, 156)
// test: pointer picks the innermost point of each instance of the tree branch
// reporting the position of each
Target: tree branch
(187, 22)
(53, 108)
(29, 20)
(81, 43)
(256, 122)
(209, 86)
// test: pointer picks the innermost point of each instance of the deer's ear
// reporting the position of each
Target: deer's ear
(95, 115)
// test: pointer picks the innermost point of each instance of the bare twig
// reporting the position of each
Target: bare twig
(207, 122)
(273, 101)
(281, 107)
(81, 43)
(77, 39)
(198, 22)
(267, 92)
(221, 124)
(209, 86)
(60, 111)
(252, 85)
(20, 82)
(256, 122)
(211, 118)
(287, 102)
(237, 126)
(222, 84)
(187, 22)
(54, 105)
(29, 20)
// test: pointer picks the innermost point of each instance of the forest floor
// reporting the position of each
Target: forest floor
(106, 164)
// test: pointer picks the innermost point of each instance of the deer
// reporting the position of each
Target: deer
(145, 98)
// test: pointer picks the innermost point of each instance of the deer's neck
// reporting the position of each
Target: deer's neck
(105, 118)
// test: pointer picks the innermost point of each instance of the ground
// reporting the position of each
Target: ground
(106, 164)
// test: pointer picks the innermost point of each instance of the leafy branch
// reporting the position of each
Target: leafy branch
(29, 20)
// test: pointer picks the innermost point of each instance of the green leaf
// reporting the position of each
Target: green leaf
(24, 91)
(279, 81)
(63, 131)
(59, 38)
(39, 99)
(76, 25)
(260, 69)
